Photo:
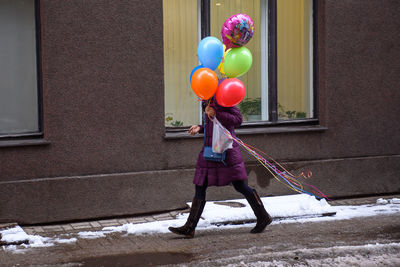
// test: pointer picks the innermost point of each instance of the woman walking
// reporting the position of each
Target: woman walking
(231, 171)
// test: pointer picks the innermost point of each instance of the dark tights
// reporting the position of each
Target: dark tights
(239, 186)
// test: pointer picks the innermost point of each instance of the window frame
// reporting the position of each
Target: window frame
(272, 124)
(33, 138)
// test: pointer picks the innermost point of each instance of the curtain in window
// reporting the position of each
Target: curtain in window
(180, 48)
(294, 59)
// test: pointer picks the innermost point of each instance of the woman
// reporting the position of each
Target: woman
(210, 173)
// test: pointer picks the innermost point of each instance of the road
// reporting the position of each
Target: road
(368, 241)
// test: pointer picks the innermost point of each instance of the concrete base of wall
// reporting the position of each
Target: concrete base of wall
(110, 195)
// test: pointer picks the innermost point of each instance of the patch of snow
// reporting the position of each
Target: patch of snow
(17, 234)
(278, 207)
(395, 201)
(284, 209)
(147, 228)
(65, 241)
(91, 235)
(381, 201)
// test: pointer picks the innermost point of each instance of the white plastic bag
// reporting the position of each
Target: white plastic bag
(222, 139)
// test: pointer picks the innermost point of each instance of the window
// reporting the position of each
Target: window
(19, 83)
(279, 85)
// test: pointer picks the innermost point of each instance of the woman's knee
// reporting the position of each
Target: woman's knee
(238, 185)
(200, 191)
(241, 187)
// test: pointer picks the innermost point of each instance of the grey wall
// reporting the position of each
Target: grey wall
(104, 116)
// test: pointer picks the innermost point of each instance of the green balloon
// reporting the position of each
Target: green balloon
(237, 62)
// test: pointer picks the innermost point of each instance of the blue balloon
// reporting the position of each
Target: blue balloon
(210, 52)
(195, 68)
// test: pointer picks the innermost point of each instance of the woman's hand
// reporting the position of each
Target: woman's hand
(194, 129)
(210, 112)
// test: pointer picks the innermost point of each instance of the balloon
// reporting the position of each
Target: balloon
(221, 65)
(195, 68)
(237, 62)
(204, 83)
(237, 30)
(210, 52)
(230, 92)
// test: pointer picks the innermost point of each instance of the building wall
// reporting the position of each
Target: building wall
(103, 103)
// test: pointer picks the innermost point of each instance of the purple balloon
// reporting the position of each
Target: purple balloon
(237, 31)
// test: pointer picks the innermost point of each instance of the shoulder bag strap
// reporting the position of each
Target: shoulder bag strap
(205, 128)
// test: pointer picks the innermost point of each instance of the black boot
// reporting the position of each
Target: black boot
(263, 218)
(195, 212)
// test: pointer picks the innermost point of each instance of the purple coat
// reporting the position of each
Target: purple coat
(217, 173)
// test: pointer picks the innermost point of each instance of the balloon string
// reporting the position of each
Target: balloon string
(309, 174)
(280, 173)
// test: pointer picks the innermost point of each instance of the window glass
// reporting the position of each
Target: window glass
(294, 34)
(18, 68)
(220, 11)
(294, 53)
(180, 48)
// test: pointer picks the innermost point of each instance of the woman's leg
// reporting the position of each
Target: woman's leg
(196, 210)
(200, 191)
(263, 218)
(242, 188)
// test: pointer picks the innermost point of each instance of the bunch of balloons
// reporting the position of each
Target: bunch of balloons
(231, 58)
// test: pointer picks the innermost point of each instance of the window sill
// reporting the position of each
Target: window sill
(281, 129)
(24, 142)
(182, 134)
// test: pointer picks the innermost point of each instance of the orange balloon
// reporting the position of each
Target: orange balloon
(204, 83)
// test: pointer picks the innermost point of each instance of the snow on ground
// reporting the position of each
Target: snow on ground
(362, 255)
(284, 209)
(299, 205)
(395, 201)
(217, 215)
(17, 235)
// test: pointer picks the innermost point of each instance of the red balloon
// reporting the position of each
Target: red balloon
(230, 92)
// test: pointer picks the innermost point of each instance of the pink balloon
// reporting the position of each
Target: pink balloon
(230, 92)
(237, 31)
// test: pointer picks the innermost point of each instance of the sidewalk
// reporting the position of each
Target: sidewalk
(97, 225)
(138, 250)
